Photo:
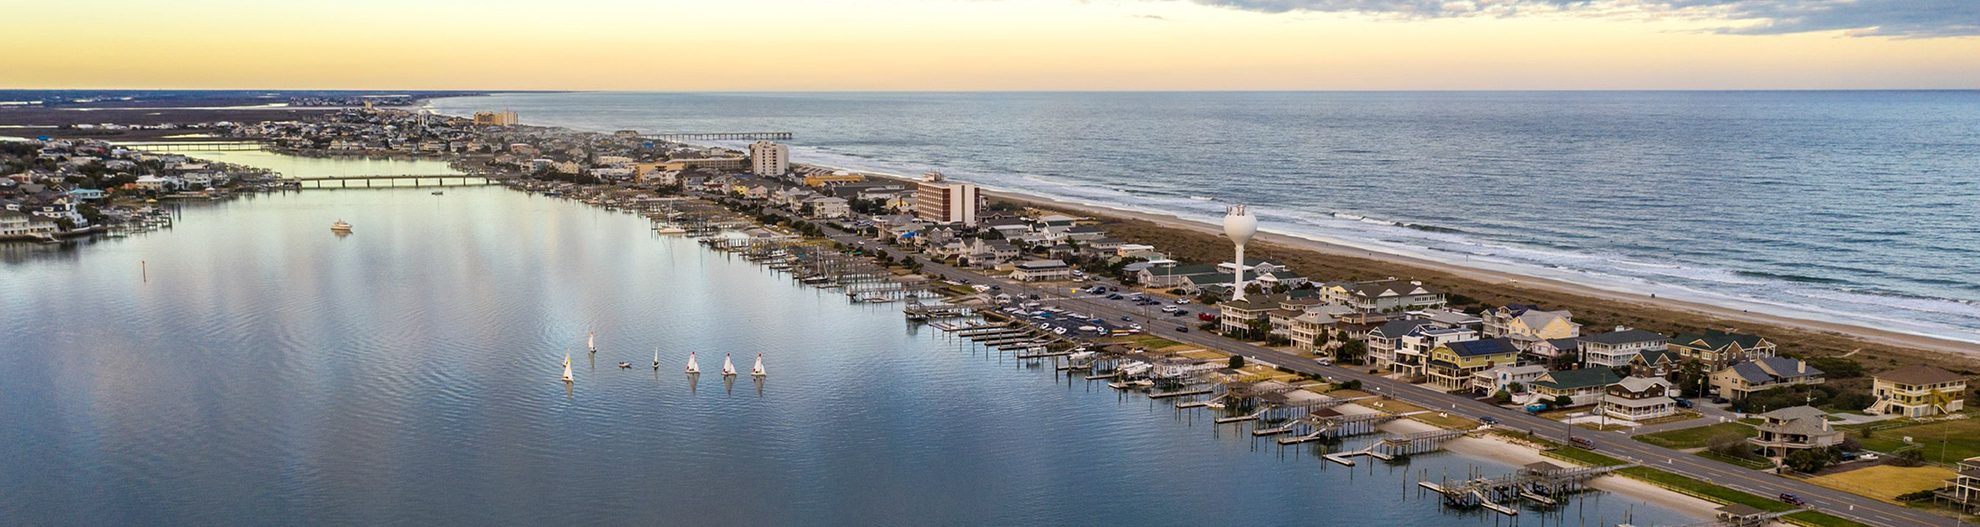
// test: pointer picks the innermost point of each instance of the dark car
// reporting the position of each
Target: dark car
(1489, 420)
(1182, 329)
(1034, 296)
(1719, 400)
(1791, 499)
(1582, 442)
(1683, 403)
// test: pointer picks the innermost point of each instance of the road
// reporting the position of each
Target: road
(1839, 503)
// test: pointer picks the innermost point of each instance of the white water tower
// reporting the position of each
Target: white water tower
(1240, 225)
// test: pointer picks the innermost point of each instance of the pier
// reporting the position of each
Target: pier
(1540, 482)
(677, 137)
(1399, 445)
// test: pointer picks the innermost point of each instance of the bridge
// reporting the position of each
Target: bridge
(196, 146)
(391, 181)
(723, 136)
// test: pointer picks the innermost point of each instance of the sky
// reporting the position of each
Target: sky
(715, 45)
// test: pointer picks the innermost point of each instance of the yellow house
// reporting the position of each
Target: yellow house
(1918, 391)
(1451, 365)
(820, 180)
(1527, 322)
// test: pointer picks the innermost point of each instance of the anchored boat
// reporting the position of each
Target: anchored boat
(340, 226)
(692, 366)
(728, 368)
(757, 370)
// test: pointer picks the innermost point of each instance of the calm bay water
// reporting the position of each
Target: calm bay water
(1858, 207)
(268, 372)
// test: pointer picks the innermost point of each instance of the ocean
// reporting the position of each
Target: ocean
(1854, 207)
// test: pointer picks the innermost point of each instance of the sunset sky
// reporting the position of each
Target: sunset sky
(995, 44)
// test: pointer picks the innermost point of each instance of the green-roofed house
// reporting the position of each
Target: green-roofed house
(1719, 349)
(1584, 385)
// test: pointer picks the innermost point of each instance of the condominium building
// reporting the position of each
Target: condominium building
(945, 202)
(501, 118)
(769, 159)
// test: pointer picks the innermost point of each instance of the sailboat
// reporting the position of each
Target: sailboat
(591, 340)
(692, 366)
(757, 370)
(728, 368)
(567, 367)
(656, 359)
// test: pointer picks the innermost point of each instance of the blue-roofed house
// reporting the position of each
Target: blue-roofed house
(1451, 365)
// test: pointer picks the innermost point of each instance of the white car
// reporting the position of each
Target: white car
(1181, 301)
(1060, 331)
(1169, 309)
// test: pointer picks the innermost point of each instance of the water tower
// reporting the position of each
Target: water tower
(1240, 225)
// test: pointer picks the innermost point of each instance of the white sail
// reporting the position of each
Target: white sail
(728, 368)
(591, 341)
(567, 367)
(656, 358)
(758, 369)
(692, 366)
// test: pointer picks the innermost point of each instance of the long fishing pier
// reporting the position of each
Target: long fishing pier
(390, 181)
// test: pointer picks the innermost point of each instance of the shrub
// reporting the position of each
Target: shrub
(1237, 361)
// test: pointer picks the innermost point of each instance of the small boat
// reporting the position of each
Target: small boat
(692, 366)
(667, 228)
(567, 367)
(728, 368)
(340, 226)
(623, 365)
(439, 193)
(656, 359)
(757, 370)
(591, 341)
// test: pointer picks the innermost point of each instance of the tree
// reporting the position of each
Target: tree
(1502, 397)
(1237, 361)
(1351, 352)
(1562, 401)
(1811, 460)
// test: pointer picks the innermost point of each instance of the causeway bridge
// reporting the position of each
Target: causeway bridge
(391, 181)
(230, 145)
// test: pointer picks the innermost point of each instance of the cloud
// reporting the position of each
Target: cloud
(1883, 18)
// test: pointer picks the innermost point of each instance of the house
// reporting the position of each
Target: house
(1619, 348)
(1917, 391)
(1383, 340)
(1719, 349)
(1552, 349)
(1657, 362)
(1794, 428)
(829, 207)
(1964, 489)
(1639, 398)
(1504, 377)
(1764, 373)
(1041, 270)
(1174, 275)
(989, 253)
(1306, 328)
(1237, 316)
(1451, 365)
(14, 223)
(1527, 324)
(1413, 348)
(1582, 385)
(1383, 295)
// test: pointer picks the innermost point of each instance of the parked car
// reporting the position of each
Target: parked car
(1719, 400)
(1683, 403)
(1125, 318)
(1489, 420)
(1206, 317)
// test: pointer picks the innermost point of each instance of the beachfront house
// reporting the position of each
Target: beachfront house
(1794, 428)
(1041, 271)
(21, 224)
(1639, 399)
(1582, 385)
(1413, 348)
(1383, 295)
(1917, 391)
(1764, 373)
(1619, 348)
(1527, 324)
(1719, 349)
(1450, 366)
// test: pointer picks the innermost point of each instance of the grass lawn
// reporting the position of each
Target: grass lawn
(1698, 437)
(1819, 519)
(1962, 439)
(1886, 482)
(1704, 489)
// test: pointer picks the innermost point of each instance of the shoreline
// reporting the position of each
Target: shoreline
(1961, 351)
